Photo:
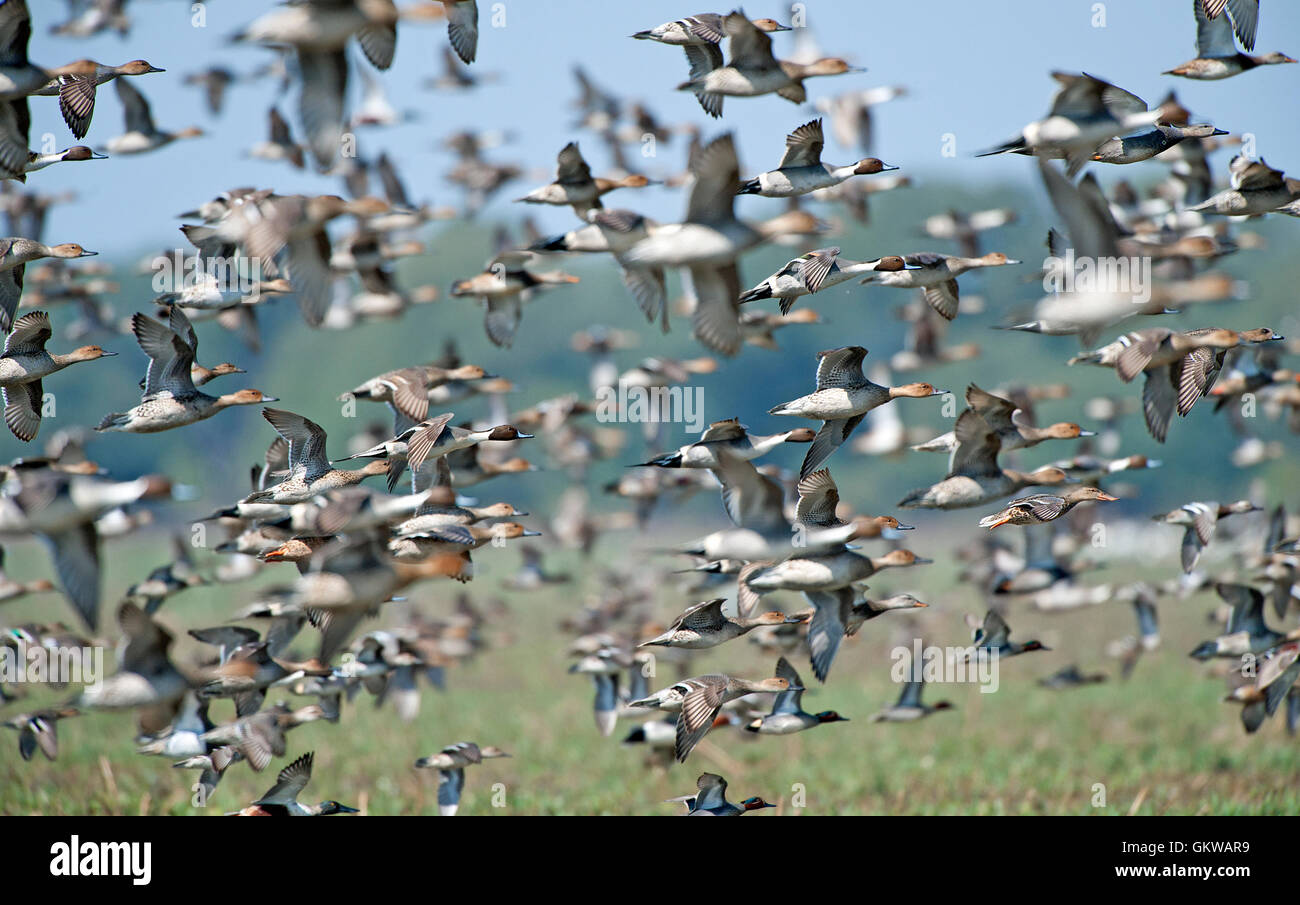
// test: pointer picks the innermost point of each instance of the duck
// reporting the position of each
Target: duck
(1246, 631)
(1010, 422)
(974, 476)
(1085, 112)
(36, 161)
(501, 288)
(1276, 676)
(703, 625)
(15, 254)
(450, 763)
(212, 766)
(1217, 56)
(698, 701)
(1038, 508)
(76, 89)
(141, 134)
(699, 36)
(1255, 188)
(710, 799)
(816, 270)
(869, 609)
(434, 438)
(994, 635)
(909, 707)
(801, 169)
(281, 800)
(23, 366)
(260, 736)
(419, 545)
(575, 186)
(1071, 677)
(751, 69)
(310, 471)
(170, 398)
(1145, 145)
(842, 399)
(729, 439)
(787, 714)
(39, 730)
(1200, 519)
(936, 276)
(279, 144)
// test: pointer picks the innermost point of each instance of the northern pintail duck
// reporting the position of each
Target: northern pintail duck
(699, 700)
(15, 254)
(318, 31)
(39, 730)
(801, 169)
(1010, 422)
(710, 799)
(141, 134)
(787, 715)
(76, 89)
(170, 398)
(704, 625)
(1145, 145)
(1261, 698)
(699, 36)
(574, 185)
(1217, 56)
(25, 363)
(1085, 112)
(1038, 508)
(260, 736)
(431, 439)
(36, 161)
(870, 609)
(1201, 519)
(310, 471)
(279, 144)
(728, 439)
(1256, 188)
(450, 763)
(842, 399)
(751, 69)
(936, 276)
(1071, 677)
(501, 288)
(1179, 368)
(994, 635)
(1246, 631)
(146, 676)
(814, 271)
(974, 476)
(281, 800)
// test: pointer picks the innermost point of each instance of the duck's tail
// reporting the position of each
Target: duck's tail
(914, 500)
(750, 187)
(763, 291)
(114, 421)
(1205, 650)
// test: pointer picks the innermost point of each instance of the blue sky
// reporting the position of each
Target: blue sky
(971, 69)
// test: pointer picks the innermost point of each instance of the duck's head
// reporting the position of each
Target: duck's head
(832, 66)
(376, 467)
(138, 67)
(900, 602)
(901, 557)
(755, 804)
(513, 530)
(1276, 57)
(90, 353)
(190, 132)
(248, 397)
(773, 618)
(1090, 493)
(508, 432)
(333, 807)
(71, 250)
(943, 705)
(1260, 335)
(225, 368)
(997, 259)
(492, 751)
(1050, 475)
(830, 716)
(801, 435)
(1067, 430)
(1034, 645)
(916, 391)
(869, 166)
(891, 263)
(770, 25)
(467, 372)
(515, 466)
(81, 152)
(501, 510)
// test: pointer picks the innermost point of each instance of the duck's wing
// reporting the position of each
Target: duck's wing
(1141, 346)
(22, 405)
(77, 102)
(712, 792)
(841, 368)
(1043, 506)
(1259, 176)
(306, 441)
(320, 103)
(1195, 373)
(15, 33)
(410, 393)
(423, 441)
(703, 59)
(830, 437)
(1159, 398)
(501, 318)
(706, 616)
(572, 169)
(716, 171)
(815, 266)
(976, 454)
(716, 319)
(803, 146)
(379, 43)
(752, 500)
(290, 782)
(135, 107)
(911, 695)
(995, 410)
(1247, 608)
(1213, 35)
(29, 335)
(994, 631)
(731, 429)
(700, 708)
(749, 48)
(462, 29)
(1245, 22)
(76, 561)
(826, 630)
(394, 190)
(791, 700)
(818, 500)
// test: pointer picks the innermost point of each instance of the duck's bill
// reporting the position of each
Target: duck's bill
(922, 561)
(523, 436)
(344, 809)
(87, 254)
(107, 354)
(531, 533)
(270, 398)
(95, 155)
(1084, 433)
(902, 527)
(1107, 498)
(940, 393)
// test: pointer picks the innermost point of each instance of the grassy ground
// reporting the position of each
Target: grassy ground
(1160, 743)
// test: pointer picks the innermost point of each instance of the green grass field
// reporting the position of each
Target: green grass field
(1162, 743)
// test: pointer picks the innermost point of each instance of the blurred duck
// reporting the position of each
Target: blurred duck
(1246, 631)
(994, 635)
(815, 271)
(909, 708)
(450, 763)
(141, 134)
(728, 439)
(23, 366)
(501, 288)
(936, 276)
(1200, 520)
(801, 169)
(1010, 422)
(704, 625)
(1256, 188)
(698, 701)
(1217, 56)
(39, 730)
(574, 185)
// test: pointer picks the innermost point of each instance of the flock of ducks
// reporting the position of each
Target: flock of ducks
(357, 550)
